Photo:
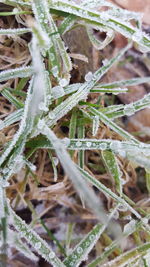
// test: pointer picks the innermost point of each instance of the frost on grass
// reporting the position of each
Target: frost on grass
(50, 97)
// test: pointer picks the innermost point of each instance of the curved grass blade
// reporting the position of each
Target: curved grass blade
(104, 19)
(98, 44)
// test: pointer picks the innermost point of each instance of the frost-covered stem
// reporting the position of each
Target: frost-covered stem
(94, 144)
(62, 109)
(81, 251)
(129, 256)
(107, 191)
(113, 125)
(12, 118)
(14, 31)
(100, 18)
(35, 240)
(3, 220)
(81, 186)
(22, 125)
(16, 73)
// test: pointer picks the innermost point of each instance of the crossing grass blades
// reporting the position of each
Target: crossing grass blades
(43, 105)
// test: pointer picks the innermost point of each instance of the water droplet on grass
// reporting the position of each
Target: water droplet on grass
(58, 91)
(51, 255)
(55, 71)
(55, 160)
(43, 107)
(88, 144)
(38, 245)
(63, 82)
(88, 76)
(128, 228)
(103, 146)
(78, 144)
(41, 124)
(129, 110)
(79, 250)
(51, 115)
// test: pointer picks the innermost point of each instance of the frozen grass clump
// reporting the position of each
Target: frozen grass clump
(43, 97)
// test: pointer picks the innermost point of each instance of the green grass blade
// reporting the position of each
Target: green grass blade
(14, 31)
(81, 186)
(36, 241)
(106, 19)
(81, 251)
(12, 118)
(112, 166)
(15, 73)
(113, 125)
(129, 256)
(12, 99)
(83, 91)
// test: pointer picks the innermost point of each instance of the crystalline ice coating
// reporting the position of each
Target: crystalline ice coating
(145, 220)
(52, 57)
(30, 236)
(33, 168)
(51, 255)
(58, 91)
(129, 110)
(105, 62)
(95, 125)
(128, 217)
(91, 237)
(103, 146)
(4, 183)
(78, 144)
(55, 160)
(51, 115)
(66, 141)
(137, 36)
(122, 208)
(122, 153)
(116, 145)
(88, 144)
(128, 228)
(104, 15)
(38, 245)
(55, 71)
(63, 82)
(116, 215)
(2, 124)
(43, 107)
(79, 250)
(41, 124)
(88, 76)
(123, 181)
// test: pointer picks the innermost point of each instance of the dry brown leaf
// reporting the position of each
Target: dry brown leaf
(140, 122)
